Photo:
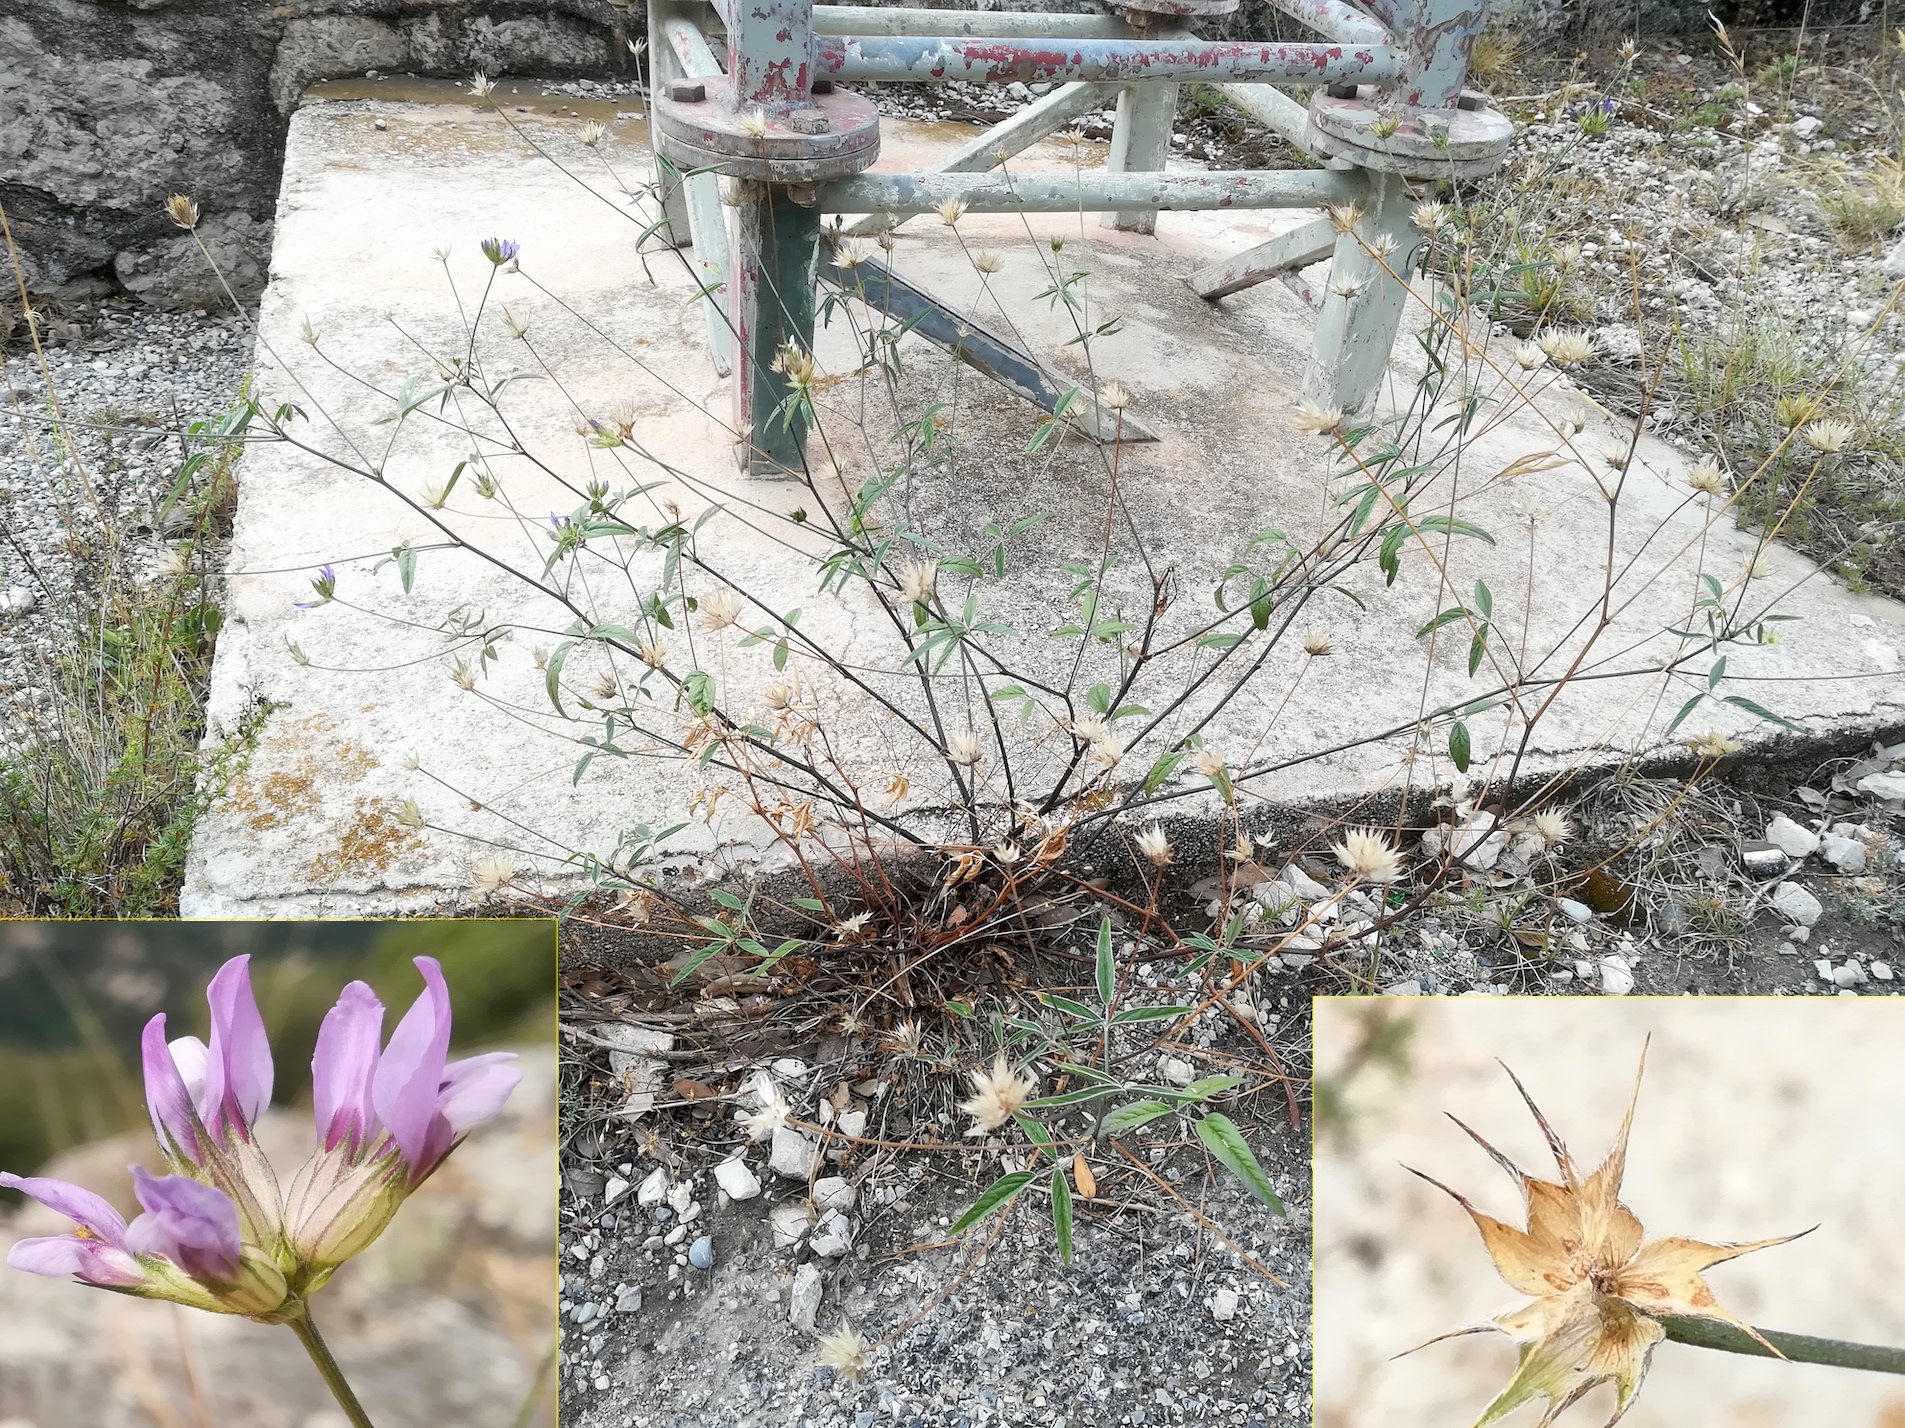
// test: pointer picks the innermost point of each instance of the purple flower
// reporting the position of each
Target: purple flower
(96, 1252)
(326, 587)
(385, 1119)
(198, 1093)
(193, 1225)
(499, 250)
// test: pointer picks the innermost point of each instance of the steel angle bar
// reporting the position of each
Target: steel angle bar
(691, 48)
(996, 355)
(1002, 24)
(1091, 191)
(1337, 20)
(1013, 136)
(992, 61)
(1286, 253)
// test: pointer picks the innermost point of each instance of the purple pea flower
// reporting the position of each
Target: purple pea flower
(499, 250)
(193, 1225)
(326, 587)
(95, 1253)
(385, 1119)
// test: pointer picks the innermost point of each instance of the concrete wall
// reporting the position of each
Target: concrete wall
(109, 106)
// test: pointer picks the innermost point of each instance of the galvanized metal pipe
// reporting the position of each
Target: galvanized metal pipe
(1005, 24)
(1091, 191)
(691, 47)
(993, 61)
(1271, 107)
(1337, 20)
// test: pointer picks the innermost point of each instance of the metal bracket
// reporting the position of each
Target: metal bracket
(1351, 121)
(698, 125)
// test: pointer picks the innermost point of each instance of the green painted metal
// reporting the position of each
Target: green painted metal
(771, 288)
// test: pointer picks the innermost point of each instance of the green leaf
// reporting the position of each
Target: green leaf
(406, 555)
(1130, 1014)
(552, 676)
(1484, 600)
(1454, 527)
(1107, 968)
(1126, 1119)
(1741, 702)
(1458, 745)
(1447, 617)
(1685, 709)
(1062, 1212)
(1207, 1086)
(1160, 771)
(996, 1194)
(1717, 673)
(1224, 1141)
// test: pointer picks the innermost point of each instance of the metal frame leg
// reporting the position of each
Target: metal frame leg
(1362, 308)
(663, 65)
(771, 276)
(1140, 142)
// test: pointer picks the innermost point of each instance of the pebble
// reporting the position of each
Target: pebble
(737, 1182)
(1574, 911)
(614, 1190)
(789, 1221)
(1223, 1305)
(792, 1154)
(1797, 905)
(1177, 1071)
(1882, 970)
(803, 1304)
(1617, 977)
(701, 1253)
(1845, 854)
(834, 1193)
(628, 1299)
(1790, 838)
(832, 1237)
(654, 1188)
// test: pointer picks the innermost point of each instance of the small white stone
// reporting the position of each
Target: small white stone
(1882, 970)
(1823, 968)
(614, 1190)
(1223, 1305)
(1891, 783)
(1848, 974)
(803, 1305)
(834, 1193)
(1790, 838)
(791, 1068)
(1617, 977)
(654, 1188)
(1845, 854)
(1574, 911)
(789, 1221)
(17, 600)
(1176, 1071)
(793, 1154)
(852, 1123)
(736, 1180)
(680, 1196)
(1796, 905)
(1301, 884)
(833, 1236)
(1410, 988)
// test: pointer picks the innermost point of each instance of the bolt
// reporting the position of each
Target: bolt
(823, 86)
(1468, 99)
(687, 91)
(1342, 91)
(807, 121)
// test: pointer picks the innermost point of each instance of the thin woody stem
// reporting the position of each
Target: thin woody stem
(1798, 1348)
(333, 1376)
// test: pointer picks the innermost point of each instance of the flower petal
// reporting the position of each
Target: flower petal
(1610, 1232)
(169, 1096)
(1664, 1278)
(193, 1225)
(93, 1261)
(238, 1067)
(1529, 1265)
(76, 1202)
(343, 1067)
(472, 1091)
(408, 1078)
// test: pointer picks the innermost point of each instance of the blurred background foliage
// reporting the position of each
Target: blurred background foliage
(74, 997)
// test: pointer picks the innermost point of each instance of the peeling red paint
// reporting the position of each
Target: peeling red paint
(985, 60)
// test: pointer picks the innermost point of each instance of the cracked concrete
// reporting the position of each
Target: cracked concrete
(367, 714)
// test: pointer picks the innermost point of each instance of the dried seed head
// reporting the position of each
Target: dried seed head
(1567, 346)
(997, 1095)
(408, 815)
(182, 211)
(987, 262)
(754, 123)
(1114, 396)
(1795, 410)
(845, 1352)
(653, 653)
(516, 327)
(1317, 419)
(916, 581)
(592, 134)
(1707, 479)
(1155, 847)
(966, 750)
(1316, 643)
(1106, 749)
(493, 874)
(1209, 763)
(719, 609)
(1430, 218)
(1713, 745)
(464, 673)
(480, 86)
(1553, 827)
(1529, 356)
(1368, 856)
(950, 211)
(1343, 217)
(851, 252)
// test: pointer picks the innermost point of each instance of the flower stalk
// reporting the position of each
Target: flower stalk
(1796, 1348)
(327, 1368)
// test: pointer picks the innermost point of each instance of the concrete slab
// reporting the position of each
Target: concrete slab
(367, 713)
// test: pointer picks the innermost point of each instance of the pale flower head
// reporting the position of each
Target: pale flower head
(1368, 856)
(1107, 749)
(1828, 436)
(1529, 356)
(592, 134)
(1208, 762)
(1553, 827)
(493, 874)
(967, 750)
(1089, 728)
(720, 609)
(773, 1110)
(950, 211)
(182, 211)
(1316, 643)
(1567, 346)
(1429, 218)
(1707, 479)
(851, 252)
(845, 1352)
(916, 581)
(1155, 846)
(1714, 745)
(1318, 420)
(1115, 396)
(987, 262)
(754, 123)
(997, 1095)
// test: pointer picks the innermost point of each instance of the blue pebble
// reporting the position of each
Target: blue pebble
(701, 1253)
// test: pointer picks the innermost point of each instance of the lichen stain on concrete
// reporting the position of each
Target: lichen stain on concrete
(371, 842)
(272, 797)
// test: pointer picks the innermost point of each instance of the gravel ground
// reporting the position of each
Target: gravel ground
(128, 379)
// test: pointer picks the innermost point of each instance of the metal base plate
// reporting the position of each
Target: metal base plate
(1426, 143)
(834, 136)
